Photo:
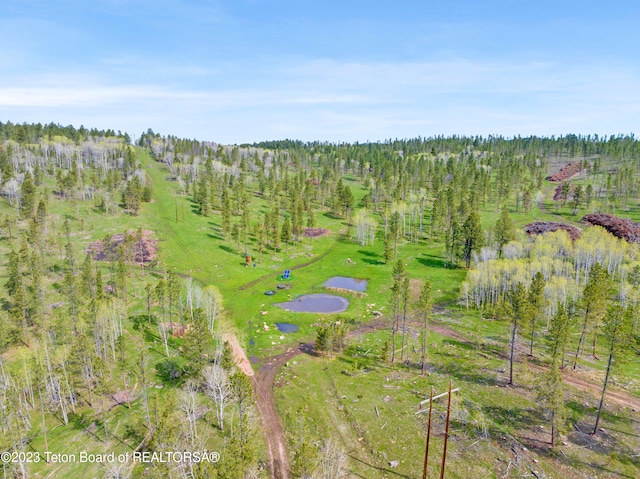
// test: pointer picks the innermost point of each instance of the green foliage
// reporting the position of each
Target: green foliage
(558, 335)
(473, 236)
(505, 230)
(305, 461)
(27, 196)
(197, 342)
(518, 309)
(551, 396)
(331, 336)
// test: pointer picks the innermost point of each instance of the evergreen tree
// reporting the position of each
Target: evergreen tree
(454, 241)
(305, 461)
(551, 394)
(121, 273)
(27, 196)
(286, 232)
(87, 280)
(15, 276)
(559, 333)
(397, 297)
(473, 236)
(99, 286)
(388, 248)
(225, 213)
(195, 347)
(618, 330)
(242, 391)
(505, 230)
(346, 200)
(594, 301)
(202, 196)
(518, 307)
(536, 303)
(577, 198)
(424, 308)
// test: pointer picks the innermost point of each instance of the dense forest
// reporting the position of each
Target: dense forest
(133, 280)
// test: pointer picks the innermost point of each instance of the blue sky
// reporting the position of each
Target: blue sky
(251, 70)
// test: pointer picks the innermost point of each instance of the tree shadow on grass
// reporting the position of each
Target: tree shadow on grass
(579, 411)
(594, 465)
(228, 249)
(486, 348)
(432, 261)
(370, 257)
(377, 468)
(517, 419)
(606, 445)
(466, 374)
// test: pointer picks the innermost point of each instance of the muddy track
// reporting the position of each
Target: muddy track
(264, 380)
(298, 266)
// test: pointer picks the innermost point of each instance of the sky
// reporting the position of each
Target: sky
(243, 71)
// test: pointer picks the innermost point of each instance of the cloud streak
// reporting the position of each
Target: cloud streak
(328, 99)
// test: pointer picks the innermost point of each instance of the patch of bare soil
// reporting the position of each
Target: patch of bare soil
(540, 227)
(143, 251)
(123, 397)
(177, 330)
(239, 356)
(263, 381)
(316, 232)
(565, 172)
(621, 227)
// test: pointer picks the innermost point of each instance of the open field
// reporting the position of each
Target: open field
(354, 396)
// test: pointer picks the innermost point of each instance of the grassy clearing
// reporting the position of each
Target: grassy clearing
(496, 431)
(492, 425)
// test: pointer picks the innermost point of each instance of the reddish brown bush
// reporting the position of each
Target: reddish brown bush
(540, 227)
(316, 232)
(565, 172)
(621, 227)
(143, 252)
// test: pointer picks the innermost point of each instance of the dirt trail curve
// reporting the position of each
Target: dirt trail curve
(298, 266)
(263, 382)
(271, 424)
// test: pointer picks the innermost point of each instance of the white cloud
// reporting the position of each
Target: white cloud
(330, 100)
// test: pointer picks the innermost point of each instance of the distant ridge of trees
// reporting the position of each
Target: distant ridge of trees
(33, 132)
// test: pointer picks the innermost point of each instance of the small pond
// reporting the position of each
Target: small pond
(342, 282)
(316, 303)
(287, 327)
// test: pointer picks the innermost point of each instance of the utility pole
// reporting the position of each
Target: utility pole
(426, 451)
(446, 434)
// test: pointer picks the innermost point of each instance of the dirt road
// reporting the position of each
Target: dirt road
(272, 426)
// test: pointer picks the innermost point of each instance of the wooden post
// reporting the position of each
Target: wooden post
(175, 202)
(446, 434)
(183, 208)
(426, 451)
